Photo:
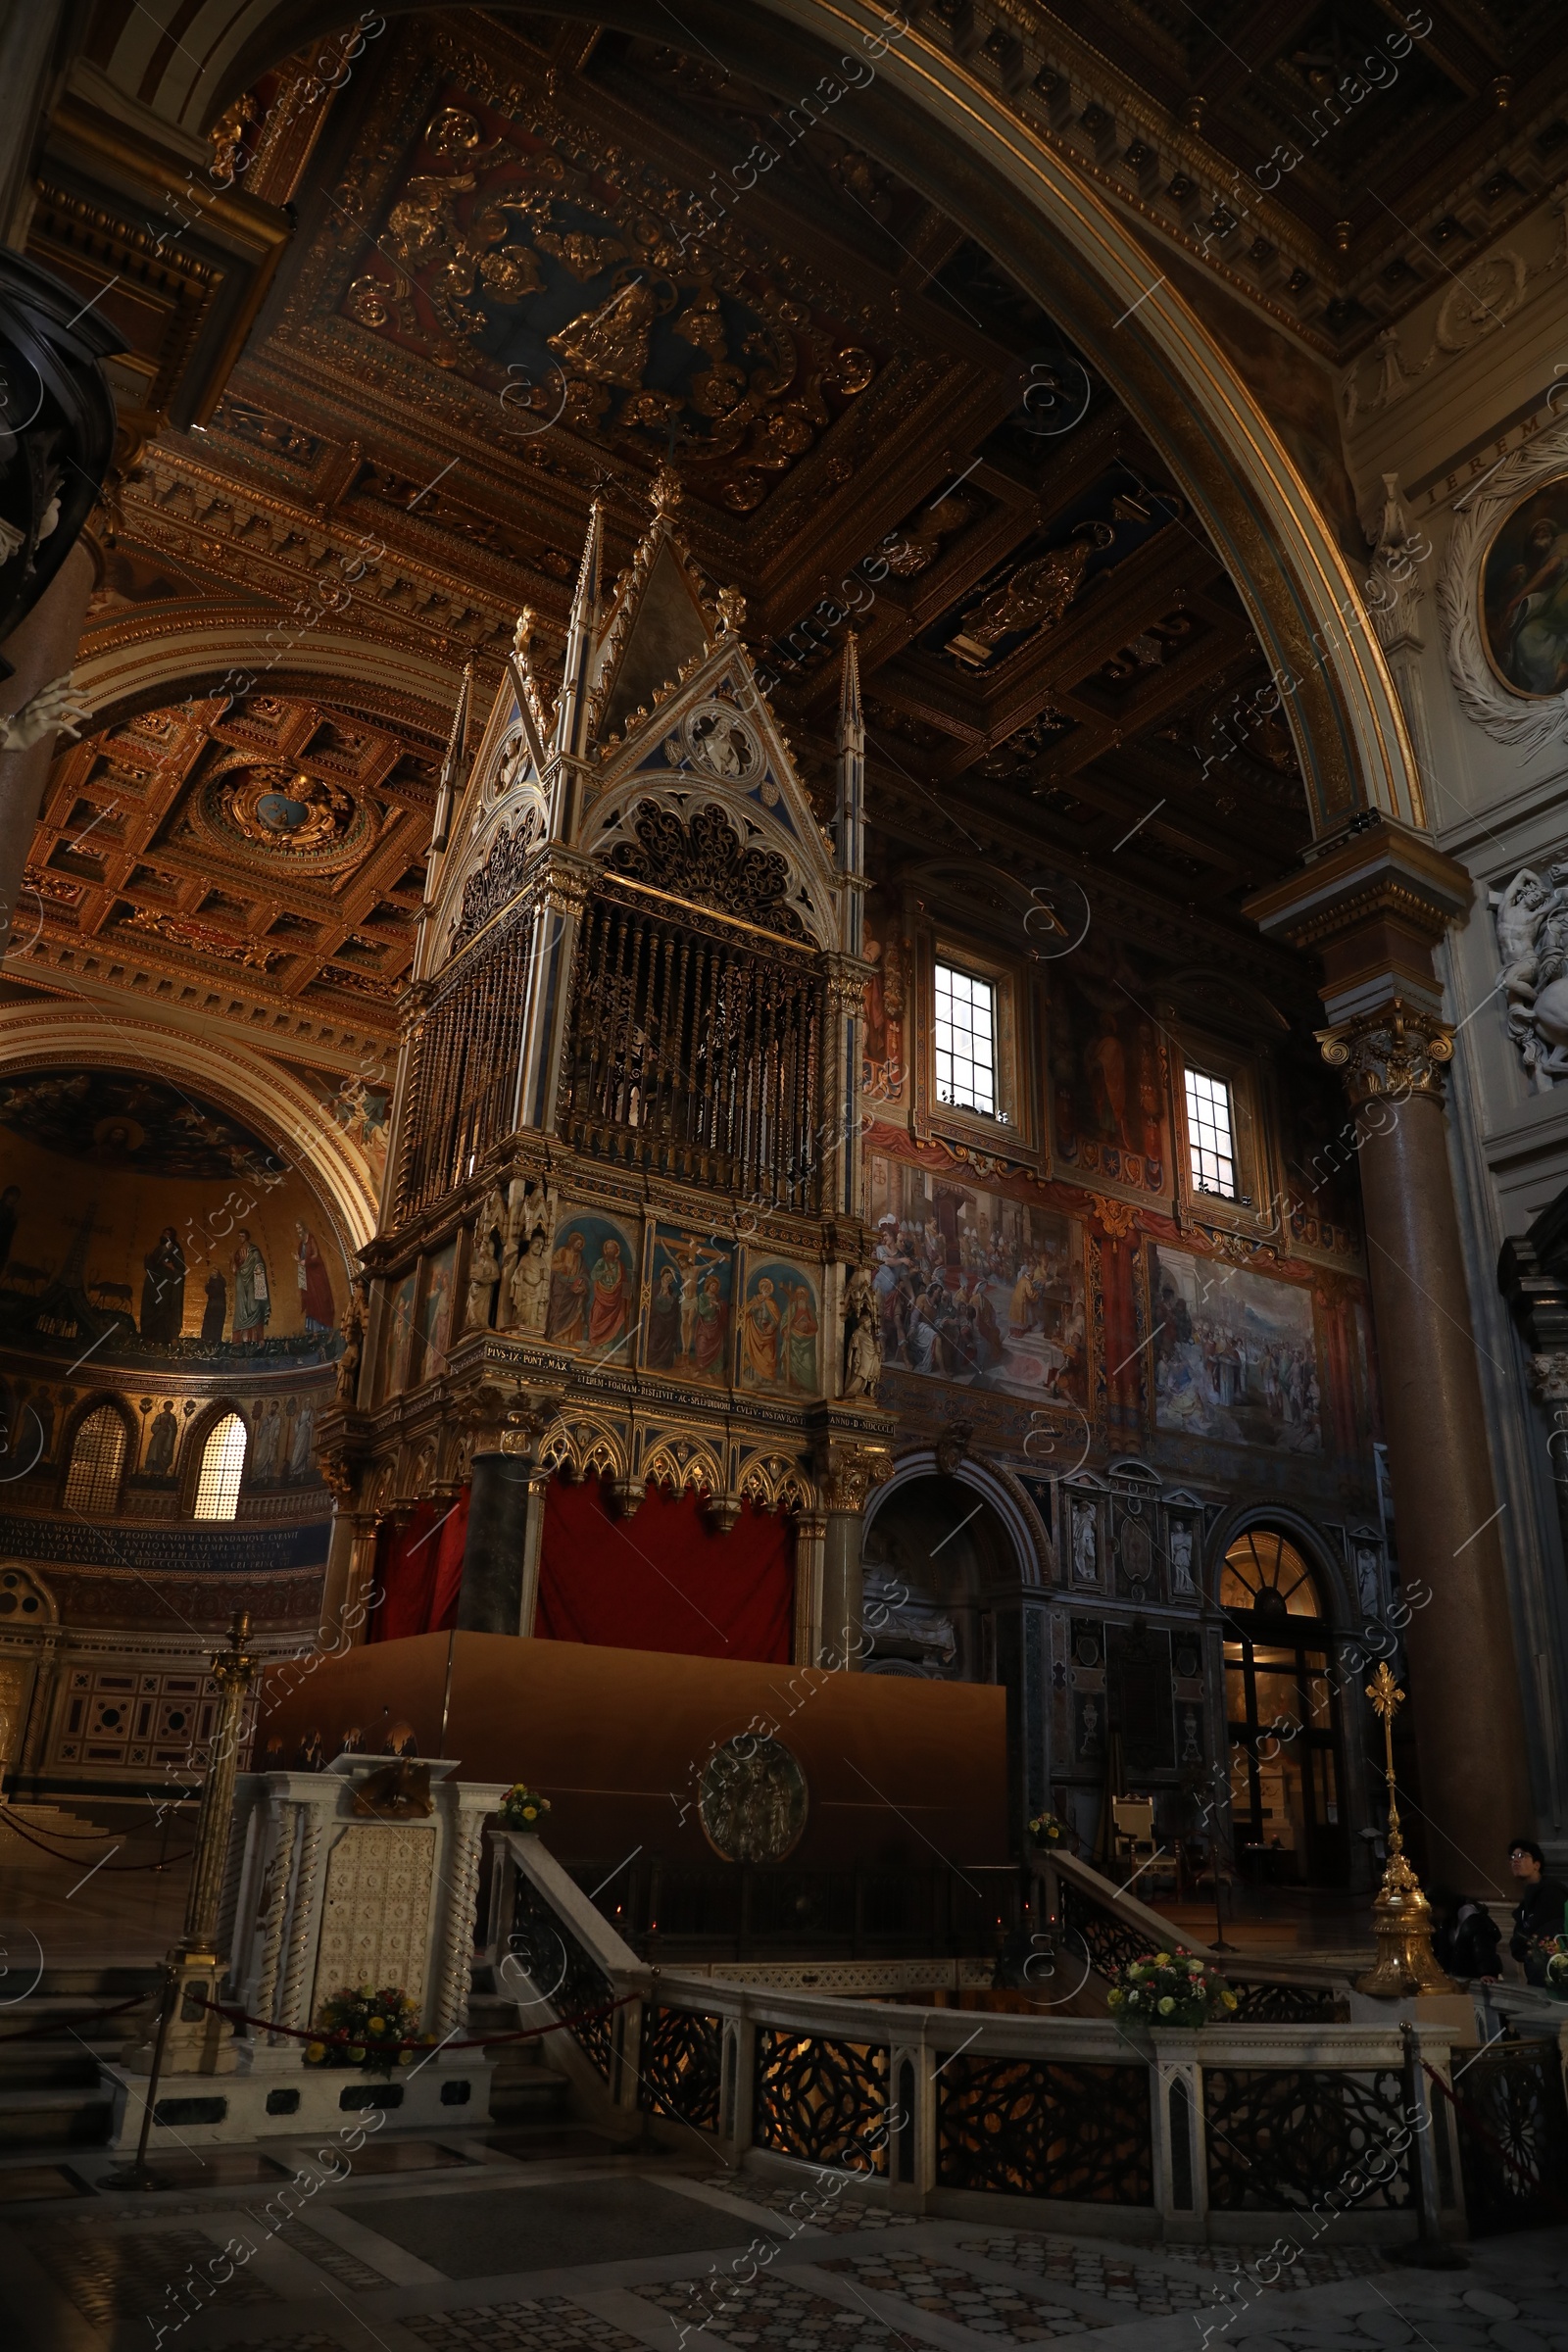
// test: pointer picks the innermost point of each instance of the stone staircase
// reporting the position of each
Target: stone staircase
(45, 1821)
(525, 2088)
(50, 2044)
(51, 2097)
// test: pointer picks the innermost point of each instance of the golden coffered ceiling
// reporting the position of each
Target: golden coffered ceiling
(502, 295)
(283, 839)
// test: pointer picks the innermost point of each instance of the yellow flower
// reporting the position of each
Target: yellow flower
(315, 2053)
(405, 2057)
(1115, 2001)
(530, 1812)
(378, 2024)
(1162, 1959)
(1227, 1997)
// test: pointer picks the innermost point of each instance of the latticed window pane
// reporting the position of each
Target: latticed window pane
(965, 1041)
(223, 1468)
(1208, 1134)
(1262, 1571)
(97, 1458)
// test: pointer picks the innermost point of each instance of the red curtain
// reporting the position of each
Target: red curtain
(418, 1569)
(664, 1579)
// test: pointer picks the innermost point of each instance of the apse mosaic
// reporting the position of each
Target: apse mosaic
(977, 1288)
(779, 1351)
(593, 1270)
(139, 1217)
(1234, 1355)
(690, 1307)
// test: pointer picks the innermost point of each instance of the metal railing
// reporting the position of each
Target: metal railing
(948, 2109)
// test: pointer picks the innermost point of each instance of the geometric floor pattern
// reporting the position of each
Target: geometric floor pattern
(344, 2277)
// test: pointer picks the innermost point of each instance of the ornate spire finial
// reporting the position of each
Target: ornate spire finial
(665, 495)
(731, 606)
(522, 634)
(1401, 1915)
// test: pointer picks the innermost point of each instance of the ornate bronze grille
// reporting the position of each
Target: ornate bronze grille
(1106, 1941)
(694, 1050)
(462, 1066)
(1030, 2129)
(821, 2100)
(682, 2064)
(1279, 2137)
(1263, 2004)
(561, 1970)
(1513, 2138)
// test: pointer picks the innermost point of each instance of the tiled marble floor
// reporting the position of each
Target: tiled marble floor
(584, 2256)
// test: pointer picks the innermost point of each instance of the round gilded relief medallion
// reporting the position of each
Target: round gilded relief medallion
(314, 823)
(753, 1800)
(715, 739)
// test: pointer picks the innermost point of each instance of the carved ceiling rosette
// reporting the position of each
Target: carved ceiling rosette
(509, 241)
(313, 823)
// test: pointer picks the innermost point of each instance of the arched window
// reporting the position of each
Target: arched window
(1286, 1812)
(223, 1468)
(1263, 1572)
(97, 1458)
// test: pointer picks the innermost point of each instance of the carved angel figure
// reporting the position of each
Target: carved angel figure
(862, 1345)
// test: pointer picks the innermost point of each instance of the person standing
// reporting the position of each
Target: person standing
(1539, 1915)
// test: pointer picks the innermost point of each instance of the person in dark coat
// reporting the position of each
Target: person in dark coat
(1539, 1915)
(1466, 1939)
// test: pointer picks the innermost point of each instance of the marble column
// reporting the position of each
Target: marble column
(1373, 906)
(854, 1470)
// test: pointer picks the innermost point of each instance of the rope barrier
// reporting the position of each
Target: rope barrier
(483, 2041)
(73, 1837)
(114, 1867)
(69, 2024)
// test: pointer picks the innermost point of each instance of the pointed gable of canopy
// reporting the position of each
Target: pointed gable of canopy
(659, 624)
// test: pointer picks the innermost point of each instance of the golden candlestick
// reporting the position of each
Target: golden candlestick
(1401, 1915)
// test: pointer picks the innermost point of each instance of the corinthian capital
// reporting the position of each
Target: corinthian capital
(1394, 1053)
(852, 1471)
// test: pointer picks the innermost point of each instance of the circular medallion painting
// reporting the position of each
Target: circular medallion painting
(753, 1800)
(1523, 588)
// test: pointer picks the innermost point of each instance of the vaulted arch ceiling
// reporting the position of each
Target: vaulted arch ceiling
(920, 378)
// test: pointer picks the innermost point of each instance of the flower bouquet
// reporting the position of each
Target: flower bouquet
(1047, 1830)
(1170, 1988)
(522, 1809)
(363, 2027)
